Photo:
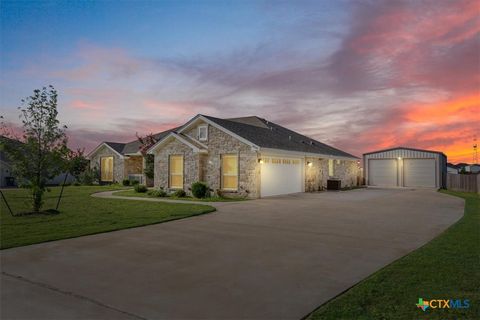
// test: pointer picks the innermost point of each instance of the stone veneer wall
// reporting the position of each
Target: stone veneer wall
(190, 164)
(207, 167)
(118, 162)
(316, 176)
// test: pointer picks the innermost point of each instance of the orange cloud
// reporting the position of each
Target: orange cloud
(456, 110)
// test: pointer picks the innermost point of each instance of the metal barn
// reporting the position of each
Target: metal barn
(405, 167)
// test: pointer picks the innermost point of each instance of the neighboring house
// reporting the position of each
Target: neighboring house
(7, 178)
(468, 168)
(475, 168)
(247, 156)
(451, 168)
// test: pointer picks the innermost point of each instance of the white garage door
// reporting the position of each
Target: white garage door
(382, 172)
(419, 172)
(280, 176)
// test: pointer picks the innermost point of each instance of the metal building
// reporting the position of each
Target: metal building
(405, 167)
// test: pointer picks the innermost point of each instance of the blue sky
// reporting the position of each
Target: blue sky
(329, 69)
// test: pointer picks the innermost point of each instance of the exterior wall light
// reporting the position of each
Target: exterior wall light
(260, 160)
(309, 164)
(399, 158)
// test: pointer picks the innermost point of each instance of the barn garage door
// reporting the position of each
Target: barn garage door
(280, 176)
(419, 172)
(382, 172)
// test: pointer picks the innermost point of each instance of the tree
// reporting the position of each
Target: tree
(42, 153)
(77, 163)
(146, 143)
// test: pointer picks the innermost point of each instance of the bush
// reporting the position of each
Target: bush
(199, 190)
(180, 194)
(126, 182)
(134, 182)
(86, 178)
(157, 193)
(140, 188)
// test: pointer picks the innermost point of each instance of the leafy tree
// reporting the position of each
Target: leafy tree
(42, 153)
(146, 143)
(77, 163)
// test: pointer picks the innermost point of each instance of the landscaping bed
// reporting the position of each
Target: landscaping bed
(133, 193)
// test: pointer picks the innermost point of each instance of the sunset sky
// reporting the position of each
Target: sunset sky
(360, 75)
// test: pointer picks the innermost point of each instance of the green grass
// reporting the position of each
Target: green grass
(132, 193)
(80, 214)
(448, 267)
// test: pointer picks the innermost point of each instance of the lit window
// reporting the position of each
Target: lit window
(203, 133)
(106, 169)
(176, 172)
(230, 172)
(331, 168)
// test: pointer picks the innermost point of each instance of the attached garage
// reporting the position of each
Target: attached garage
(405, 167)
(281, 175)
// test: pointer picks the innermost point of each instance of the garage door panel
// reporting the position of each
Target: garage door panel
(419, 172)
(281, 176)
(382, 172)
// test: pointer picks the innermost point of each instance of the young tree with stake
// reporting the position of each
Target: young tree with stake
(42, 153)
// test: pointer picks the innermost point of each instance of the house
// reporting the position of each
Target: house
(451, 168)
(247, 156)
(405, 167)
(475, 168)
(468, 168)
(7, 178)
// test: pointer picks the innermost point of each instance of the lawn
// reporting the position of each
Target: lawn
(80, 214)
(448, 267)
(132, 193)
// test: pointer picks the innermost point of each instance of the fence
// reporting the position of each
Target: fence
(463, 182)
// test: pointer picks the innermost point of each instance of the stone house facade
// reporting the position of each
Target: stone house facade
(245, 157)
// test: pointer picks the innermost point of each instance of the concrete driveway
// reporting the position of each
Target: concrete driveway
(275, 258)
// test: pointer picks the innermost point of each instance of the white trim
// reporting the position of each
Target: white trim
(176, 136)
(200, 117)
(206, 132)
(101, 145)
(133, 154)
(304, 154)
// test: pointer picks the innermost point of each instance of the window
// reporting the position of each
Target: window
(203, 133)
(230, 172)
(331, 168)
(176, 172)
(106, 169)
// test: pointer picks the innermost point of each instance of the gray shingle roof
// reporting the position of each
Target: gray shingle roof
(257, 130)
(276, 137)
(133, 146)
(116, 146)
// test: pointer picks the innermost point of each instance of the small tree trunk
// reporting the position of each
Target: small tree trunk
(37, 198)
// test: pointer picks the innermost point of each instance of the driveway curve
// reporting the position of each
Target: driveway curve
(273, 258)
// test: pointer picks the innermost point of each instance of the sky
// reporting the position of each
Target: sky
(359, 75)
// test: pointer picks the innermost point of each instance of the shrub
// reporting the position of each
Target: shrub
(157, 193)
(126, 182)
(134, 182)
(199, 190)
(180, 193)
(87, 178)
(140, 188)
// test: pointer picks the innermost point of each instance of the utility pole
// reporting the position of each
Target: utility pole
(475, 150)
